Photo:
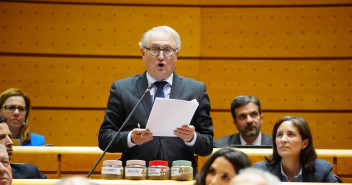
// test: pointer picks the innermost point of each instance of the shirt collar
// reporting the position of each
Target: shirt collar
(284, 178)
(258, 141)
(151, 80)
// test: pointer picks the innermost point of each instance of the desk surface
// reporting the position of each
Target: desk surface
(129, 182)
(103, 182)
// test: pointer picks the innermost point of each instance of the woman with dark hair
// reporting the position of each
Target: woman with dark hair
(15, 106)
(222, 166)
(294, 158)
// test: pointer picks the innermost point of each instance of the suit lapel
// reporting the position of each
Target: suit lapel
(14, 170)
(142, 85)
(236, 139)
(178, 85)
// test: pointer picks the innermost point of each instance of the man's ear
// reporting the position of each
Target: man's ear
(235, 123)
(143, 52)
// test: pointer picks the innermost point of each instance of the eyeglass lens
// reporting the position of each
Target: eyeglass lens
(12, 108)
(156, 51)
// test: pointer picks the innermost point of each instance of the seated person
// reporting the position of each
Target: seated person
(253, 176)
(5, 169)
(15, 106)
(222, 166)
(19, 171)
(294, 158)
(248, 118)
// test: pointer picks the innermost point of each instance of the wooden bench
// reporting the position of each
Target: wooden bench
(57, 162)
(129, 182)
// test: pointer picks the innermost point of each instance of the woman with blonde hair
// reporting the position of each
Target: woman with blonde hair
(15, 106)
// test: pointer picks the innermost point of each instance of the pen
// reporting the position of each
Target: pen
(139, 127)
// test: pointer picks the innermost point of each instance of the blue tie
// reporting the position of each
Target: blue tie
(159, 93)
(160, 89)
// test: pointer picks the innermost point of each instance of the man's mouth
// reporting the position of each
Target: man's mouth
(161, 64)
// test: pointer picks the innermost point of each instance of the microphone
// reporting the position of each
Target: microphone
(122, 126)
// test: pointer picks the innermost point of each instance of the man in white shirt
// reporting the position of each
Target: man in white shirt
(248, 119)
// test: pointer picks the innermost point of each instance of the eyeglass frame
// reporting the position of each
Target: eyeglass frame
(162, 49)
(16, 107)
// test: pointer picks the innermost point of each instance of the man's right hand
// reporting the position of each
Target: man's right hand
(141, 136)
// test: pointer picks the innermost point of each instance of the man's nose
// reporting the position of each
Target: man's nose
(249, 119)
(2, 167)
(161, 55)
(9, 141)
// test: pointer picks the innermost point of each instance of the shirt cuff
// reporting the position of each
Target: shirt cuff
(191, 143)
(130, 144)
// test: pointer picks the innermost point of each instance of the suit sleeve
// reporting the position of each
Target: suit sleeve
(113, 120)
(40, 175)
(330, 177)
(203, 125)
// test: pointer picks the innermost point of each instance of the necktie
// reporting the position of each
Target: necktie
(159, 93)
(160, 89)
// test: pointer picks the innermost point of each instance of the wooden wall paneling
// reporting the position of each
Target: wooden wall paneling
(207, 2)
(74, 82)
(344, 164)
(91, 29)
(280, 84)
(68, 127)
(66, 82)
(273, 2)
(45, 158)
(276, 32)
(82, 160)
(329, 130)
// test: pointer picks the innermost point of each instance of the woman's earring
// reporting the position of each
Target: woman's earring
(24, 123)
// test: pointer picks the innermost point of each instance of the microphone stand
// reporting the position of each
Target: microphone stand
(122, 126)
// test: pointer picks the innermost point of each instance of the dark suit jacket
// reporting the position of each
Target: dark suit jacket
(234, 139)
(124, 95)
(323, 171)
(26, 171)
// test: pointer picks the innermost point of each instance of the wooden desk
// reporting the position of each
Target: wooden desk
(102, 182)
(132, 182)
(57, 162)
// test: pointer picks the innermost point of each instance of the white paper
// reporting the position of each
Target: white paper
(169, 114)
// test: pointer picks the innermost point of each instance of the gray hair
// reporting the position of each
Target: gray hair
(166, 29)
(270, 178)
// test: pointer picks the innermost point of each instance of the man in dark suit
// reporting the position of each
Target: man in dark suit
(19, 171)
(5, 169)
(160, 47)
(248, 119)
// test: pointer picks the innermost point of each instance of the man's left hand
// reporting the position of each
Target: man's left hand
(186, 132)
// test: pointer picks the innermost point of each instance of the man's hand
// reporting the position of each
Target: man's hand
(186, 132)
(141, 136)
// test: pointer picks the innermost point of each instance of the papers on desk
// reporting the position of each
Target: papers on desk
(169, 114)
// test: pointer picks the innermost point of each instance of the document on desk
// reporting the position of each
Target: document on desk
(169, 114)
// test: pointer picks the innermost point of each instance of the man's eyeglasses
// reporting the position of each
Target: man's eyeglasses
(155, 51)
(12, 108)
